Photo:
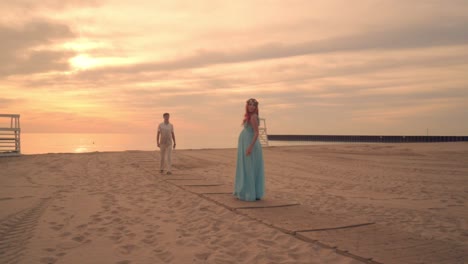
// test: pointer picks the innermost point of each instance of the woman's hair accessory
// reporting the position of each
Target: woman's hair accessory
(253, 101)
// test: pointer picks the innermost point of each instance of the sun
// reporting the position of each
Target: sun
(83, 61)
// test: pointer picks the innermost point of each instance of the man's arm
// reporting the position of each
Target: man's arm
(157, 138)
(173, 138)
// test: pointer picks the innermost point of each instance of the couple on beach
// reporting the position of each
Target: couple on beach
(250, 180)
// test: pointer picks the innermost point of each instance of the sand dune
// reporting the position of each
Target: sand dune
(392, 203)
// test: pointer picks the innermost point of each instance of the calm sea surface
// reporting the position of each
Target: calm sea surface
(39, 143)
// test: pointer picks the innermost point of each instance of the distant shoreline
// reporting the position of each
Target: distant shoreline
(367, 138)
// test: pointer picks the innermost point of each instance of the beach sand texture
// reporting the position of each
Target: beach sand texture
(343, 203)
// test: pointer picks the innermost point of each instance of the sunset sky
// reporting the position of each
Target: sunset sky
(316, 67)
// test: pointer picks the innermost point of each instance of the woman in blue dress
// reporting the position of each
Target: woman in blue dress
(250, 179)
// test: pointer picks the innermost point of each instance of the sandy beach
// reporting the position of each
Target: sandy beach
(337, 203)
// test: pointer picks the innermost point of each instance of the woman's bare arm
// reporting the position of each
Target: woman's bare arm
(254, 124)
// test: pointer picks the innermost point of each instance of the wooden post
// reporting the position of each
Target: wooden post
(262, 132)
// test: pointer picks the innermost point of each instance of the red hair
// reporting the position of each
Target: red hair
(247, 114)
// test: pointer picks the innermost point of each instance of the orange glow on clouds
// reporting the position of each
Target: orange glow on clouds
(83, 61)
(95, 66)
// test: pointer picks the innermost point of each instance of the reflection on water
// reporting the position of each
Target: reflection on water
(38, 143)
(81, 150)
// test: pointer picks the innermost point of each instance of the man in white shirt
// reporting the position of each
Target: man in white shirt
(164, 139)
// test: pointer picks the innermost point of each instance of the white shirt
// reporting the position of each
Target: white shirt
(166, 131)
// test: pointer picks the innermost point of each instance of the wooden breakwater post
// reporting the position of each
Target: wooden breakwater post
(10, 135)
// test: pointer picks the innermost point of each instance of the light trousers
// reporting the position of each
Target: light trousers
(166, 152)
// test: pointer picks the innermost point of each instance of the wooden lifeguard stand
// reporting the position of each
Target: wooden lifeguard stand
(10, 136)
(262, 132)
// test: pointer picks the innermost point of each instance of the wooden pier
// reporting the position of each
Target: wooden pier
(10, 135)
(367, 138)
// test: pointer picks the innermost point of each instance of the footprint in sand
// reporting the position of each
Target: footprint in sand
(81, 226)
(130, 235)
(164, 255)
(127, 249)
(57, 208)
(79, 238)
(149, 239)
(65, 234)
(96, 220)
(202, 256)
(102, 229)
(121, 228)
(56, 227)
(117, 238)
(123, 262)
(150, 231)
(117, 220)
(48, 260)
(82, 238)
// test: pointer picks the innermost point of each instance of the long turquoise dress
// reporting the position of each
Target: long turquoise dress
(250, 178)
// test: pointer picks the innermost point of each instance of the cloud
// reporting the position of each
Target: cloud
(450, 33)
(38, 62)
(376, 62)
(31, 5)
(405, 111)
(26, 48)
(6, 102)
(31, 34)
